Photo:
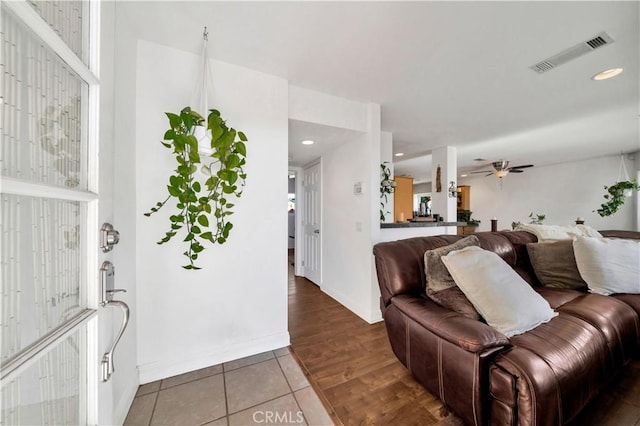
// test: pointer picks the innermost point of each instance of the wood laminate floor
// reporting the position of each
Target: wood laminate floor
(350, 364)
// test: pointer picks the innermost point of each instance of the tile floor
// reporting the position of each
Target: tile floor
(265, 389)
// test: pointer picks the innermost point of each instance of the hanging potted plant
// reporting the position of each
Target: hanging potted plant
(616, 196)
(202, 184)
(387, 186)
(618, 192)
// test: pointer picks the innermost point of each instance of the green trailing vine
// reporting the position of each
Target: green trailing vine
(202, 185)
(616, 195)
(387, 186)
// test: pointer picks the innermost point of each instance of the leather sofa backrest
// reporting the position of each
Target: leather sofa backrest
(400, 264)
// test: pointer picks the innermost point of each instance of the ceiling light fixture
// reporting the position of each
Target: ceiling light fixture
(399, 154)
(603, 75)
(307, 142)
(464, 175)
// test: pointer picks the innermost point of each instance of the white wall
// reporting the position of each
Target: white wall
(563, 192)
(316, 107)
(237, 305)
(346, 248)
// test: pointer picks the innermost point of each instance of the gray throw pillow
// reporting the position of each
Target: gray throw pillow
(441, 288)
(554, 263)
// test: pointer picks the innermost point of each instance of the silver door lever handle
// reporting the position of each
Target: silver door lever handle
(107, 358)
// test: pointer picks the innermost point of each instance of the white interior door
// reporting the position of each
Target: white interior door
(311, 223)
(49, 203)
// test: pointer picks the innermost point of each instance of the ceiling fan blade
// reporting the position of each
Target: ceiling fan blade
(489, 174)
(526, 166)
(516, 171)
(483, 171)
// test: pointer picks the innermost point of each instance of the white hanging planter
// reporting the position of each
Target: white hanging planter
(204, 140)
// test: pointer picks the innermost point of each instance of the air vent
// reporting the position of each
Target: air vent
(573, 52)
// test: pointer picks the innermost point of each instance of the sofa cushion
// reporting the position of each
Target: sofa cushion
(558, 232)
(609, 265)
(555, 264)
(498, 293)
(557, 368)
(441, 288)
(632, 300)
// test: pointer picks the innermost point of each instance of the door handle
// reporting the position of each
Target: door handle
(107, 278)
(316, 231)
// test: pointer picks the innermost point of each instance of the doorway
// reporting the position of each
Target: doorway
(310, 212)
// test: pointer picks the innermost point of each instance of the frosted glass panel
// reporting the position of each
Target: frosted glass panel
(42, 111)
(42, 266)
(51, 391)
(65, 18)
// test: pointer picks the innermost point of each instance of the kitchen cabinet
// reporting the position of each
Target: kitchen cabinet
(464, 197)
(403, 199)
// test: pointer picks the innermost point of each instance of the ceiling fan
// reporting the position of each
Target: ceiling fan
(501, 169)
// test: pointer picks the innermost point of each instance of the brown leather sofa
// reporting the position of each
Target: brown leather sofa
(543, 377)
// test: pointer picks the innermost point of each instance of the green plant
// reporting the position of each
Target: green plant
(465, 216)
(202, 184)
(387, 186)
(536, 219)
(616, 195)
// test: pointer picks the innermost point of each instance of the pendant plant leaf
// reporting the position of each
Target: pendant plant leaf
(616, 196)
(201, 197)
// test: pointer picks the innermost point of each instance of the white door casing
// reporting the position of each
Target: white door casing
(311, 223)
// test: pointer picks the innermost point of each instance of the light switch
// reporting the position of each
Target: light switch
(357, 188)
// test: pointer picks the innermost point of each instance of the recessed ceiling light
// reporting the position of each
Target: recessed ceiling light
(399, 154)
(603, 75)
(307, 142)
(464, 175)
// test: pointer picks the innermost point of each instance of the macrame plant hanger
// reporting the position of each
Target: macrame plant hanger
(623, 175)
(201, 97)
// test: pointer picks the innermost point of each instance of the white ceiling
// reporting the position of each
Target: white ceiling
(444, 73)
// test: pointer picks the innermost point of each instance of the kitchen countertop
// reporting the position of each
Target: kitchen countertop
(423, 224)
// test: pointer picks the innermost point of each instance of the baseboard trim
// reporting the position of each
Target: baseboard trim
(162, 369)
(363, 312)
(124, 404)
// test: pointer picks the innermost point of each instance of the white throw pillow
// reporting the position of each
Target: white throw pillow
(608, 265)
(500, 295)
(558, 232)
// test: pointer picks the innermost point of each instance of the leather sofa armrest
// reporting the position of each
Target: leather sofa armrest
(469, 334)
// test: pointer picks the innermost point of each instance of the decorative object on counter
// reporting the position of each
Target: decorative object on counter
(387, 186)
(494, 224)
(438, 182)
(205, 195)
(617, 193)
(579, 221)
(536, 219)
(453, 190)
(465, 216)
